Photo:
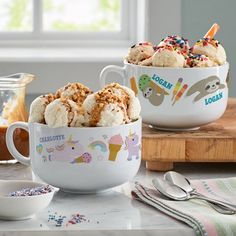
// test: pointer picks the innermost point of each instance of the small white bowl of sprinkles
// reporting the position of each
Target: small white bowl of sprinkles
(20, 200)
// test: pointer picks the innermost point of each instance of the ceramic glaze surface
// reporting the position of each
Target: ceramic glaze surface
(83, 159)
(176, 98)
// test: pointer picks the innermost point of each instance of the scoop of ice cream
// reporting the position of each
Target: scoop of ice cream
(116, 139)
(211, 48)
(176, 42)
(128, 98)
(139, 53)
(64, 112)
(104, 109)
(146, 62)
(167, 56)
(74, 91)
(197, 60)
(38, 106)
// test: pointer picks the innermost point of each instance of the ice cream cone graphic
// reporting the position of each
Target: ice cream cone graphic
(114, 149)
(78, 160)
(115, 144)
(84, 158)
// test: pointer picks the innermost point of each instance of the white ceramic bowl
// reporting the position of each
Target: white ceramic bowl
(199, 98)
(81, 160)
(21, 208)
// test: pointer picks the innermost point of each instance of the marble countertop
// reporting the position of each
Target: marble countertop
(109, 213)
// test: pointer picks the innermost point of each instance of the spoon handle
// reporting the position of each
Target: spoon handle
(219, 203)
(217, 207)
(199, 194)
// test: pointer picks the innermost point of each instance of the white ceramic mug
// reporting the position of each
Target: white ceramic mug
(176, 98)
(85, 160)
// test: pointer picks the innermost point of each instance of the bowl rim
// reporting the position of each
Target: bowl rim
(139, 120)
(226, 64)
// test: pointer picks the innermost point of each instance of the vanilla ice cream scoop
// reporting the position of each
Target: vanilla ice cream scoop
(176, 42)
(211, 48)
(74, 91)
(168, 56)
(128, 98)
(64, 112)
(140, 53)
(104, 108)
(38, 106)
(198, 60)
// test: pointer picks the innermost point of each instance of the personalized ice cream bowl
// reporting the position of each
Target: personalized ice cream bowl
(83, 160)
(176, 98)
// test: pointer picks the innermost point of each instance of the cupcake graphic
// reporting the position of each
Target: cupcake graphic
(115, 144)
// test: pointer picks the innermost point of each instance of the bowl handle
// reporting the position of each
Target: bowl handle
(10, 142)
(111, 68)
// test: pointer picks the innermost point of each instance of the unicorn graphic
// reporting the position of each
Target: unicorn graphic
(132, 145)
(66, 152)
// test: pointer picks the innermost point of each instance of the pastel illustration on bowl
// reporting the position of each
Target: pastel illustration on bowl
(205, 87)
(115, 143)
(151, 91)
(132, 146)
(84, 158)
(66, 152)
(98, 145)
(39, 148)
(180, 94)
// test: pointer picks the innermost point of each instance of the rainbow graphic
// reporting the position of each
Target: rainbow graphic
(98, 145)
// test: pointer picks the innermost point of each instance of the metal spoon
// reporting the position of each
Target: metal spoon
(176, 193)
(182, 182)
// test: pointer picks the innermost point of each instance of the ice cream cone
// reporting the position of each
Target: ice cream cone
(79, 160)
(114, 149)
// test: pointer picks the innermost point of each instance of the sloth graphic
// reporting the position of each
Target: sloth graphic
(151, 91)
(205, 87)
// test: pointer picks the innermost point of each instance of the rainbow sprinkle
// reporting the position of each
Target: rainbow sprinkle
(176, 41)
(206, 41)
(193, 59)
(31, 191)
(76, 219)
(61, 220)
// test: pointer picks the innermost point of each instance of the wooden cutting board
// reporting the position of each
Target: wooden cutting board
(215, 142)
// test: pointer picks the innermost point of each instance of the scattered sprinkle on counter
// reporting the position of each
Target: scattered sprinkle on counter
(76, 219)
(31, 191)
(61, 220)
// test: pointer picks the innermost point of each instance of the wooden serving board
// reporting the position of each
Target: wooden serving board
(215, 142)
